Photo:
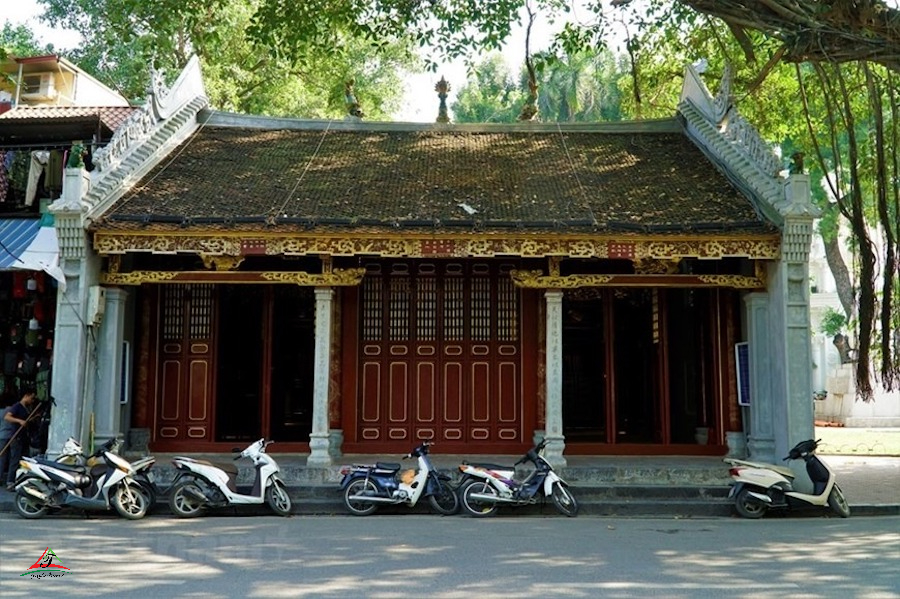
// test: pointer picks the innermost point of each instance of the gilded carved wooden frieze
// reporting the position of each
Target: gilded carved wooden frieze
(220, 262)
(535, 279)
(340, 277)
(415, 245)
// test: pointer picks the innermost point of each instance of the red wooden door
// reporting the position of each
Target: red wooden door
(440, 354)
(186, 373)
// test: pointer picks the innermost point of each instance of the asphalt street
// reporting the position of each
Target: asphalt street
(385, 556)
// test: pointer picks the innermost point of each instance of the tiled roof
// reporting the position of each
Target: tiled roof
(110, 116)
(549, 177)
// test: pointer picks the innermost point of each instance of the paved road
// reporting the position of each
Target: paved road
(454, 557)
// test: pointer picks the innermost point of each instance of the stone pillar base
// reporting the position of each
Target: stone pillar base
(737, 444)
(319, 455)
(553, 453)
(762, 450)
(335, 441)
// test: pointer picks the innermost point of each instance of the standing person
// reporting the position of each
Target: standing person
(15, 417)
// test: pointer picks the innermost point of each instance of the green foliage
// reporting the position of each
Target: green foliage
(19, 40)
(833, 322)
(492, 97)
(582, 88)
(125, 37)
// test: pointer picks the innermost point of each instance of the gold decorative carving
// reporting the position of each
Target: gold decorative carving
(648, 266)
(341, 277)
(733, 281)
(214, 262)
(535, 279)
(137, 277)
(476, 245)
(554, 264)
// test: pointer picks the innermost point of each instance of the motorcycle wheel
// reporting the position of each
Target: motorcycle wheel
(360, 487)
(130, 501)
(476, 507)
(748, 506)
(564, 501)
(30, 507)
(838, 503)
(278, 499)
(183, 504)
(445, 501)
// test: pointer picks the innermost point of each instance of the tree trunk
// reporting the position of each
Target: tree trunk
(841, 274)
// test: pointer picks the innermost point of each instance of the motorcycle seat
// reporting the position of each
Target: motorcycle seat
(61, 466)
(782, 470)
(223, 466)
(390, 466)
(488, 466)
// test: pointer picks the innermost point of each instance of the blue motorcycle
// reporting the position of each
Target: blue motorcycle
(367, 486)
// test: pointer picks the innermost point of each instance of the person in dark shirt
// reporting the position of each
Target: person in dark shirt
(15, 417)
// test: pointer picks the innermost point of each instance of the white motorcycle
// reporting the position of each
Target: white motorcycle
(758, 487)
(43, 484)
(73, 455)
(201, 484)
(485, 487)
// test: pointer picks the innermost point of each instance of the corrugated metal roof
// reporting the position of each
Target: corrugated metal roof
(16, 234)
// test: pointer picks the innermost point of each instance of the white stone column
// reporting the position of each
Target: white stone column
(68, 383)
(67, 378)
(319, 437)
(107, 389)
(556, 442)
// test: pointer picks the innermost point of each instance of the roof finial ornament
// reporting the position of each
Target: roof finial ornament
(353, 109)
(442, 88)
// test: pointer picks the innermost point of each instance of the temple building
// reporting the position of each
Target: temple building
(352, 287)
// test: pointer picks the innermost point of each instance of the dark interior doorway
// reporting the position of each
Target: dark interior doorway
(584, 369)
(239, 363)
(265, 363)
(635, 354)
(293, 345)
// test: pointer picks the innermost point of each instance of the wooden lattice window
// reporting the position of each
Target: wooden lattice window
(507, 307)
(197, 321)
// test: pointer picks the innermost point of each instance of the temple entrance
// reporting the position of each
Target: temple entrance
(584, 367)
(646, 360)
(440, 355)
(265, 365)
(237, 364)
(635, 357)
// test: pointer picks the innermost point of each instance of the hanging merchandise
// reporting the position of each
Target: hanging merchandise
(4, 177)
(39, 159)
(17, 169)
(33, 334)
(20, 284)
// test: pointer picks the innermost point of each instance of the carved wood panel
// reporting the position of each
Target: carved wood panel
(440, 354)
(186, 362)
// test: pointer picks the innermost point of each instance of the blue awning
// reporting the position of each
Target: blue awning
(16, 234)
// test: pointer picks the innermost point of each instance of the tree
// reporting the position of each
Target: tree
(489, 96)
(124, 37)
(17, 40)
